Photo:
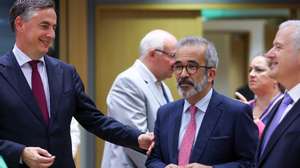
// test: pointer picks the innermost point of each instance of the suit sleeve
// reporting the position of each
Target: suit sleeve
(127, 104)
(94, 121)
(155, 159)
(246, 140)
(11, 152)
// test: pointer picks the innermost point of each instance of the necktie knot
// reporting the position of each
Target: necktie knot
(33, 64)
(193, 110)
(287, 99)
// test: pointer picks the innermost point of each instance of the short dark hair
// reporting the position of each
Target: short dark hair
(24, 8)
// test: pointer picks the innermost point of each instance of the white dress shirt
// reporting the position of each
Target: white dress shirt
(23, 60)
(294, 93)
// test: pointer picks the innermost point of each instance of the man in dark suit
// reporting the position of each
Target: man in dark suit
(39, 95)
(205, 128)
(280, 144)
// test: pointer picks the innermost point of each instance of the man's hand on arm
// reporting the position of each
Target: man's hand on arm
(36, 157)
(146, 141)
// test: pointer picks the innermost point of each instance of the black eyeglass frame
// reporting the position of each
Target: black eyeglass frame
(171, 55)
(188, 70)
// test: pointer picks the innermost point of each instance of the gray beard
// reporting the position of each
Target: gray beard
(198, 87)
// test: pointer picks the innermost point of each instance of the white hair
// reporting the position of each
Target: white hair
(295, 33)
(153, 40)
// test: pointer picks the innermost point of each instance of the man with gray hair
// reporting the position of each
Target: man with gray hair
(39, 95)
(205, 129)
(280, 145)
(138, 92)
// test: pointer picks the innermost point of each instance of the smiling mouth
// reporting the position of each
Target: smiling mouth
(46, 43)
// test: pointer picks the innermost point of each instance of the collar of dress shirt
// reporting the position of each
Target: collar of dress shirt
(152, 78)
(21, 57)
(201, 104)
(295, 93)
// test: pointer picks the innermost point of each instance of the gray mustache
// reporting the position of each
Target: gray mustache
(185, 81)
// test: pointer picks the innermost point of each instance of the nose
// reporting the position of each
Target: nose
(270, 53)
(172, 61)
(184, 73)
(251, 73)
(51, 33)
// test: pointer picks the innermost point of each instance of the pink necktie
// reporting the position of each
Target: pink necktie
(38, 90)
(188, 139)
(261, 126)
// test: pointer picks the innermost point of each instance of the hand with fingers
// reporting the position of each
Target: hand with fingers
(172, 166)
(241, 97)
(146, 141)
(197, 165)
(35, 157)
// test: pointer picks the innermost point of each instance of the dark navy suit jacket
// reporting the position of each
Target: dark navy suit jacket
(21, 122)
(227, 137)
(283, 148)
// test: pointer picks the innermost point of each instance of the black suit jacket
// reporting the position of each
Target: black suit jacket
(227, 137)
(21, 122)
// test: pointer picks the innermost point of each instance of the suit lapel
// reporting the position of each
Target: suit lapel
(173, 136)
(55, 76)
(148, 79)
(15, 77)
(209, 122)
(258, 154)
(281, 129)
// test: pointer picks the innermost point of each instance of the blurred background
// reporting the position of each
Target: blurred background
(101, 38)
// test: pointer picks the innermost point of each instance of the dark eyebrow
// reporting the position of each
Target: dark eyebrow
(190, 61)
(48, 24)
(178, 62)
(193, 62)
(45, 22)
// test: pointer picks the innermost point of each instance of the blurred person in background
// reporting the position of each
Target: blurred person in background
(267, 91)
(138, 92)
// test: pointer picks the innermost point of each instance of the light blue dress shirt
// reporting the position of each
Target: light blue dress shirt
(186, 116)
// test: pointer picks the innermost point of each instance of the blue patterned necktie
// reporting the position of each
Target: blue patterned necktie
(164, 93)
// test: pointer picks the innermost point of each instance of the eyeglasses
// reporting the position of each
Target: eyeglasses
(170, 55)
(190, 68)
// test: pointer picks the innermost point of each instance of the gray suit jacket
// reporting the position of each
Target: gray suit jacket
(134, 99)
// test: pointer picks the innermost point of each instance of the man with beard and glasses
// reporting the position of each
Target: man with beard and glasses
(205, 129)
